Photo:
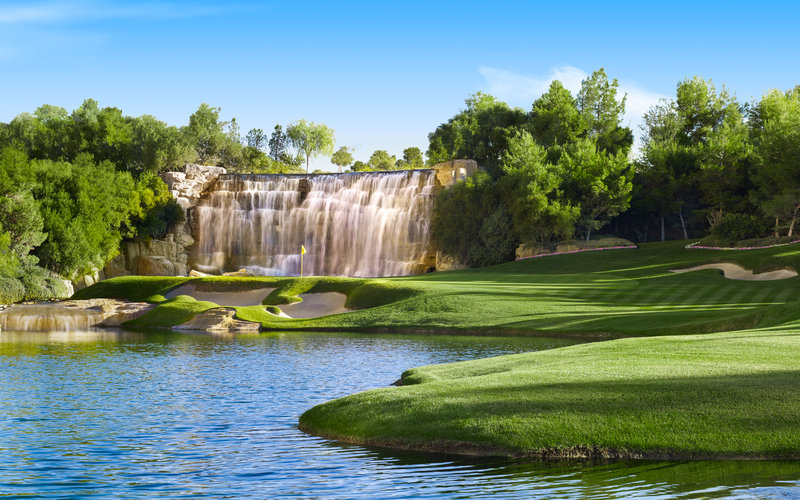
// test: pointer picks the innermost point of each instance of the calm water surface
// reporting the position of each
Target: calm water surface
(115, 414)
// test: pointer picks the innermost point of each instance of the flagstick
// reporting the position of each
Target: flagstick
(301, 264)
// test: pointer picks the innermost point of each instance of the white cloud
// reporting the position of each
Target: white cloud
(519, 89)
(522, 90)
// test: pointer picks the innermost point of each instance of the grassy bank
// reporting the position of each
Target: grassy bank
(733, 395)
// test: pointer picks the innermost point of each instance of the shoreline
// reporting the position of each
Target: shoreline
(588, 453)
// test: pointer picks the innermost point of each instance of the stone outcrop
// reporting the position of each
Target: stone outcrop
(453, 171)
(220, 319)
(168, 256)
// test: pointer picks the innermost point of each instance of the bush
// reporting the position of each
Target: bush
(11, 290)
(497, 243)
(737, 227)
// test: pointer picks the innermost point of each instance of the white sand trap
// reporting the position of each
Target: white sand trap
(737, 272)
(202, 291)
(316, 304)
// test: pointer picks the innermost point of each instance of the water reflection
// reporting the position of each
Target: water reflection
(132, 415)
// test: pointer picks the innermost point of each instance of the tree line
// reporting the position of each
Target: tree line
(709, 167)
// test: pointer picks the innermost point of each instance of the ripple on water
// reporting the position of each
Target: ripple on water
(116, 414)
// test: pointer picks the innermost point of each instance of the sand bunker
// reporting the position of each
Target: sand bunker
(233, 298)
(316, 304)
(737, 272)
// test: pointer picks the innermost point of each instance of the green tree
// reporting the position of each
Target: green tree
(412, 159)
(230, 152)
(479, 132)
(278, 143)
(666, 167)
(311, 139)
(776, 134)
(21, 221)
(257, 139)
(156, 147)
(342, 158)
(600, 182)
(359, 166)
(532, 190)
(602, 113)
(381, 160)
(555, 119)
(205, 133)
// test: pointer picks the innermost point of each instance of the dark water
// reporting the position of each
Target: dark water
(135, 415)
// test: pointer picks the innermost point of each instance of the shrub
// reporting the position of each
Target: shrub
(738, 226)
(11, 290)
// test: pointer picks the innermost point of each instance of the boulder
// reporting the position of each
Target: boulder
(453, 171)
(220, 319)
(116, 267)
(153, 266)
(445, 262)
(240, 273)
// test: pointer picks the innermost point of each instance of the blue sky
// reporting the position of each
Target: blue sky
(381, 74)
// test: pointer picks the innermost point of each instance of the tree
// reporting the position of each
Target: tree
(230, 151)
(277, 143)
(532, 190)
(601, 113)
(21, 220)
(412, 158)
(555, 119)
(359, 166)
(311, 139)
(479, 132)
(206, 133)
(600, 182)
(342, 158)
(257, 139)
(666, 167)
(156, 147)
(776, 134)
(380, 160)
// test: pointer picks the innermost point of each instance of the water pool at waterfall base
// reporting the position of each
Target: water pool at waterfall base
(119, 414)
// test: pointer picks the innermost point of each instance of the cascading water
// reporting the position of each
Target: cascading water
(48, 318)
(360, 224)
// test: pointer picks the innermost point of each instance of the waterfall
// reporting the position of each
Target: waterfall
(48, 318)
(361, 224)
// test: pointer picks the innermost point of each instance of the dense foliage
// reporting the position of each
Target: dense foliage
(74, 185)
(708, 166)
(560, 170)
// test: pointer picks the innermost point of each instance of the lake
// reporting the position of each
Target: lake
(117, 414)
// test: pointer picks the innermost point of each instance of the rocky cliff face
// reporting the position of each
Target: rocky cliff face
(170, 256)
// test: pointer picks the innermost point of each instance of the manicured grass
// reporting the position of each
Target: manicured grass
(734, 395)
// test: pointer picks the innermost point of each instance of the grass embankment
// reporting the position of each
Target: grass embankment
(732, 395)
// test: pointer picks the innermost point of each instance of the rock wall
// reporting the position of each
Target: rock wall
(168, 256)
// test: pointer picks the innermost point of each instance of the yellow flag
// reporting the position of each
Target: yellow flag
(302, 250)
